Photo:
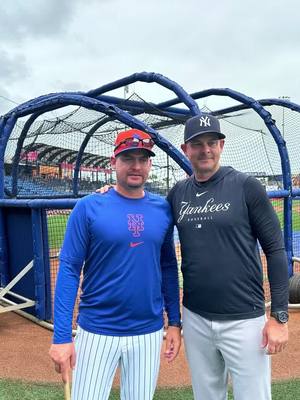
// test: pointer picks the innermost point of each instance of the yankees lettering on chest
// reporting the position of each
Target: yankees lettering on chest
(203, 210)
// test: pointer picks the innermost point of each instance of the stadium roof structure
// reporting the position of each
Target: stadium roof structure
(52, 155)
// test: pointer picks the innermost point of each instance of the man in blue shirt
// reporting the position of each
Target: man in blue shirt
(123, 245)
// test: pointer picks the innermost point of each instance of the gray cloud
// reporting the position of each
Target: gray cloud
(58, 45)
(6, 103)
(12, 67)
(34, 19)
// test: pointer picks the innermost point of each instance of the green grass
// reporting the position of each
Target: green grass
(295, 213)
(12, 390)
(16, 390)
(57, 225)
(56, 230)
(295, 217)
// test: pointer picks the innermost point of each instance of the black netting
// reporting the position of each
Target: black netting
(50, 149)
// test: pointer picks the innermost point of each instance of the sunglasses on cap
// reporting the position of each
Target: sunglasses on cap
(135, 142)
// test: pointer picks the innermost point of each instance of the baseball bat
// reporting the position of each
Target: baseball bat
(67, 390)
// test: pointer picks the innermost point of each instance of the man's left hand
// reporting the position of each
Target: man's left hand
(275, 336)
(173, 343)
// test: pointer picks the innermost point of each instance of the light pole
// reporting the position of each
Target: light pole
(126, 91)
(283, 109)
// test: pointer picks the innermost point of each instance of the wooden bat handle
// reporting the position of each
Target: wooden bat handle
(67, 390)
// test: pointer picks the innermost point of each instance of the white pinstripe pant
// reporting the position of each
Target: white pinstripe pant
(98, 357)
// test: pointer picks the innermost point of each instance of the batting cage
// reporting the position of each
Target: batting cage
(56, 148)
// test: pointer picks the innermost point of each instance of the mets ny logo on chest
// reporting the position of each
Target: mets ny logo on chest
(207, 210)
(135, 224)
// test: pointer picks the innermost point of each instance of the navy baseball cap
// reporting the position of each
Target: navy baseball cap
(200, 124)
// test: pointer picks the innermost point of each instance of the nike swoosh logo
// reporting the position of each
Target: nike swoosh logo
(200, 194)
(134, 244)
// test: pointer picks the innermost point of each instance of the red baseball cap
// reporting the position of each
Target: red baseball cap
(133, 139)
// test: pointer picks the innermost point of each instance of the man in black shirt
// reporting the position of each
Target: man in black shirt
(220, 213)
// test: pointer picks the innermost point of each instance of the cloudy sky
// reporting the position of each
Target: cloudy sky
(64, 45)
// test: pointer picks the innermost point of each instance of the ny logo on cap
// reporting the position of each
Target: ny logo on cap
(204, 121)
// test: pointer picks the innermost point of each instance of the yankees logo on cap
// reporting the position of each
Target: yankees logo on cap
(200, 124)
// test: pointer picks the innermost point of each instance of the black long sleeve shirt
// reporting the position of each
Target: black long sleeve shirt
(219, 222)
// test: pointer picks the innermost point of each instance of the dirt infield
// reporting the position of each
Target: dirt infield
(24, 354)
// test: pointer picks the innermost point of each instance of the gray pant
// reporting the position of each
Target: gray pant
(218, 349)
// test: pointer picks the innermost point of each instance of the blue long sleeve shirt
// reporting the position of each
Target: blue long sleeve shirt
(125, 249)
